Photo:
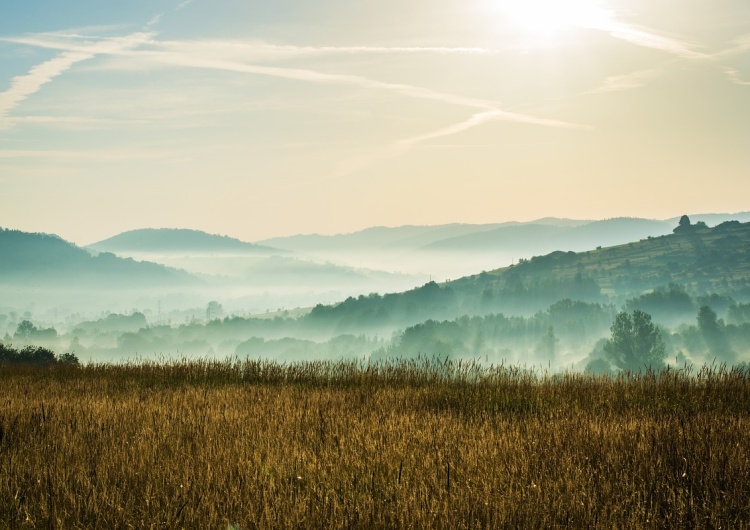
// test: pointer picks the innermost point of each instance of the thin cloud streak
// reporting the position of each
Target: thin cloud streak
(289, 49)
(741, 45)
(23, 86)
(208, 60)
(203, 56)
(88, 155)
(643, 37)
(72, 42)
(75, 122)
(627, 81)
(647, 39)
(734, 77)
(299, 74)
(242, 49)
(473, 121)
(154, 21)
(479, 119)
(350, 166)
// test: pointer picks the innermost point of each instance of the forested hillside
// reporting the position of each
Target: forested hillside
(42, 259)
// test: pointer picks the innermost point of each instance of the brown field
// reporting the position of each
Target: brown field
(345, 445)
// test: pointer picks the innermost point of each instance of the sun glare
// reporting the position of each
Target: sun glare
(546, 18)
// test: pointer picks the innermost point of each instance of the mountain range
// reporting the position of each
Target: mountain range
(227, 267)
(532, 238)
(48, 260)
(178, 241)
(554, 307)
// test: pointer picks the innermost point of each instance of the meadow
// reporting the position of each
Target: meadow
(408, 444)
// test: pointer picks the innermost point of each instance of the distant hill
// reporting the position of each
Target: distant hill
(536, 238)
(702, 260)
(517, 239)
(177, 240)
(376, 238)
(292, 271)
(43, 259)
(712, 219)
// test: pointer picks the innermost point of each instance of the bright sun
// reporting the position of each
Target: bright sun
(546, 18)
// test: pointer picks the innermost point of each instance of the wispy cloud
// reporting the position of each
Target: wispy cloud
(101, 155)
(183, 4)
(227, 56)
(319, 50)
(311, 76)
(259, 51)
(154, 21)
(734, 76)
(70, 122)
(23, 86)
(739, 46)
(608, 22)
(243, 50)
(368, 157)
(481, 118)
(627, 81)
(649, 39)
(680, 50)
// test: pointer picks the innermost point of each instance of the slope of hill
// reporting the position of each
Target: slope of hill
(703, 260)
(177, 240)
(49, 260)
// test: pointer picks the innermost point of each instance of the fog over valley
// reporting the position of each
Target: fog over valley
(497, 294)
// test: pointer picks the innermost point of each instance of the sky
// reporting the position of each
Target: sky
(256, 119)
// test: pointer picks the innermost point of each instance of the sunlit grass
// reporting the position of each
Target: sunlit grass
(420, 444)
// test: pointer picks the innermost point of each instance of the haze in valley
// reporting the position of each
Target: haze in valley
(305, 180)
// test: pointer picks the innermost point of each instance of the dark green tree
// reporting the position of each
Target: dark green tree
(684, 225)
(68, 358)
(545, 349)
(636, 343)
(712, 330)
(25, 330)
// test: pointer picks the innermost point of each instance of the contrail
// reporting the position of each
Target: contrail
(23, 86)
(479, 119)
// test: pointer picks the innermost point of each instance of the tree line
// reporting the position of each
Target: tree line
(35, 355)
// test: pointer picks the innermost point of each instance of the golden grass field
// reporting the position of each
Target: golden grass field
(203, 444)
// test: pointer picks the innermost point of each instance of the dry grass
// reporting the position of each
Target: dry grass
(344, 445)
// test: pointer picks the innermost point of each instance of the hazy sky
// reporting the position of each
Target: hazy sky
(256, 118)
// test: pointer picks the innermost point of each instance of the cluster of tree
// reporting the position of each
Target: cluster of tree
(113, 322)
(521, 292)
(28, 332)
(637, 344)
(292, 350)
(711, 339)
(566, 327)
(685, 225)
(391, 310)
(36, 355)
(668, 305)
